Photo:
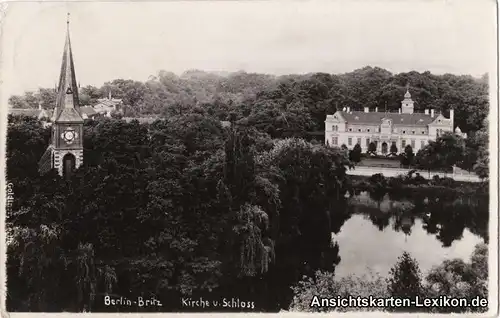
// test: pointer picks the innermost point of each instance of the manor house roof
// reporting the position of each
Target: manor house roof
(375, 118)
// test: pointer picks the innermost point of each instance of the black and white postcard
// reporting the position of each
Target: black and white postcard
(249, 157)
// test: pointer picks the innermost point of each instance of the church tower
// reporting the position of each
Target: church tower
(407, 103)
(65, 152)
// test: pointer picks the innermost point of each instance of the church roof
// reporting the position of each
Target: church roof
(45, 163)
(88, 110)
(69, 115)
(375, 118)
(67, 86)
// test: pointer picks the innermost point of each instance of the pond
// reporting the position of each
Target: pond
(376, 235)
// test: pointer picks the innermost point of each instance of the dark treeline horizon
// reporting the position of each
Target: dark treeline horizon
(248, 96)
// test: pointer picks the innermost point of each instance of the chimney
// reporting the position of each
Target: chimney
(432, 113)
(376, 109)
(426, 111)
(367, 110)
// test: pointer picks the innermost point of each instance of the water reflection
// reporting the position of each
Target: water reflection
(378, 231)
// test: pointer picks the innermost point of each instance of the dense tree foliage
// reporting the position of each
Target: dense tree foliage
(179, 207)
(286, 105)
(355, 154)
(405, 280)
(447, 151)
(184, 207)
(453, 278)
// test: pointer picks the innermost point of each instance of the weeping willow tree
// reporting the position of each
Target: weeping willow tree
(89, 275)
(253, 200)
(48, 272)
(255, 251)
(35, 254)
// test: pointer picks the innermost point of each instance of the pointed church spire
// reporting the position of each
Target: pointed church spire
(67, 102)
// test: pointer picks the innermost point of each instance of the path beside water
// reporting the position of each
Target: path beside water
(394, 172)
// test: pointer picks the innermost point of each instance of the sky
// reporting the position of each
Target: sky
(134, 40)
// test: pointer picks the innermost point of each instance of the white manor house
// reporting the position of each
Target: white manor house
(406, 127)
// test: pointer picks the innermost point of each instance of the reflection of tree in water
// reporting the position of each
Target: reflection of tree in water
(380, 220)
(403, 223)
(339, 215)
(449, 219)
(445, 219)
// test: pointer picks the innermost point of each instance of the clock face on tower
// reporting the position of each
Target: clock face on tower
(69, 135)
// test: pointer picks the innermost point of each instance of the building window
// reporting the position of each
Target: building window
(403, 144)
(367, 142)
(359, 141)
(413, 132)
(335, 141)
(422, 143)
(349, 141)
(359, 130)
(335, 128)
(404, 131)
(368, 130)
(350, 129)
(423, 132)
(413, 143)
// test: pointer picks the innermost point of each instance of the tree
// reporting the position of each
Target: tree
(407, 157)
(460, 279)
(452, 148)
(355, 154)
(481, 140)
(372, 148)
(16, 101)
(393, 149)
(405, 280)
(327, 285)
